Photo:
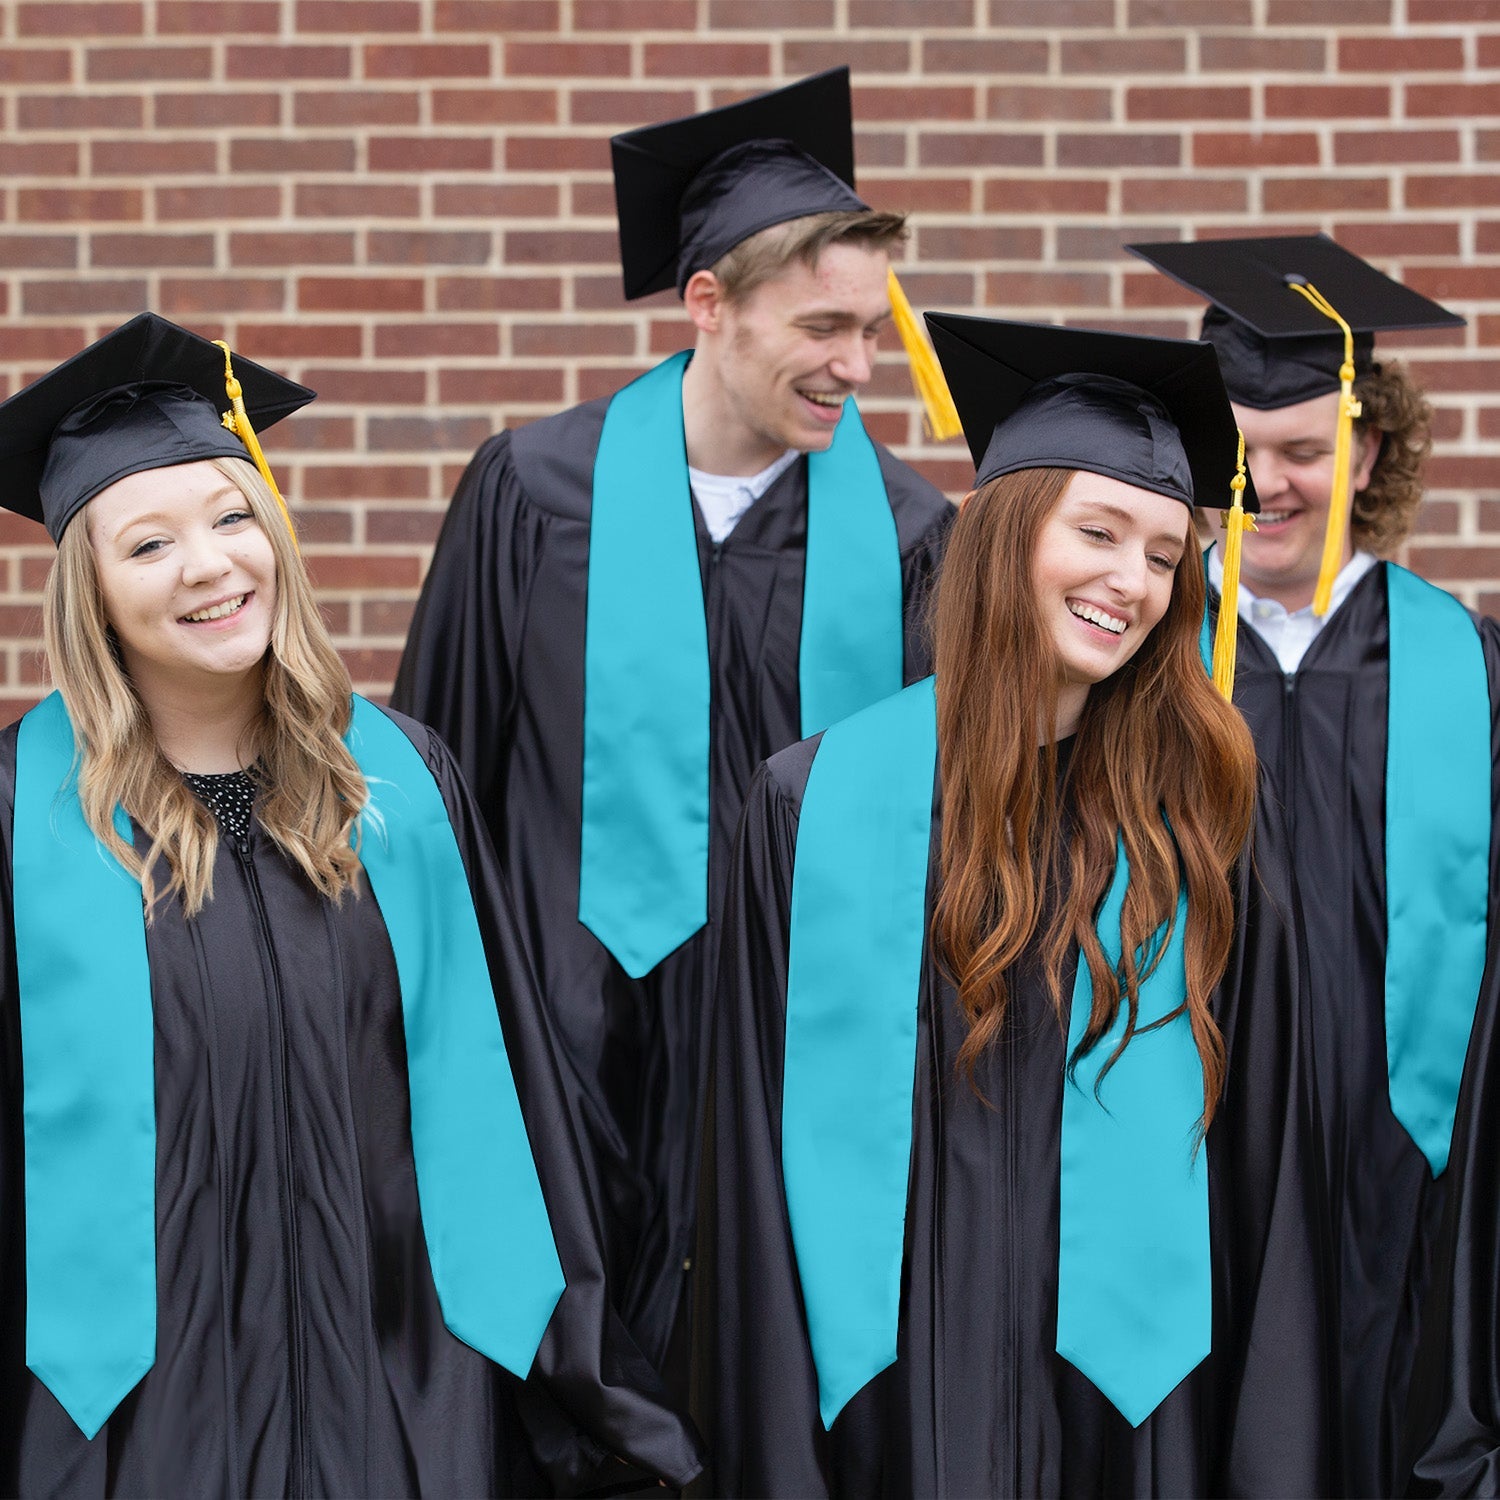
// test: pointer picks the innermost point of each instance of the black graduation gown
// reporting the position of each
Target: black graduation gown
(978, 1402)
(1321, 733)
(495, 663)
(300, 1347)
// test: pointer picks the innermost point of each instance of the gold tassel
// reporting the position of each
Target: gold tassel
(926, 372)
(1338, 496)
(1226, 638)
(237, 420)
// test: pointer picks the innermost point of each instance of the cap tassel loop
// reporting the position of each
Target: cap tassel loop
(237, 420)
(926, 373)
(1237, 521)
(1338, 498)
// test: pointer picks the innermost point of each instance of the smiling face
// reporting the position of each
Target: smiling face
(187, 576)
(1289, 453)
(1103, 569)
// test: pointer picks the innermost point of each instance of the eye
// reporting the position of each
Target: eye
(1096, 533)
(1162, 563)
(1306, 455)
(234, 518)
(819, 330)
(146, 548)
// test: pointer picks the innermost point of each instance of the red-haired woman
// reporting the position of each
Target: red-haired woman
(991, 1209)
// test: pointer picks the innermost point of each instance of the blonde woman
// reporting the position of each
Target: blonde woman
(285, 1175)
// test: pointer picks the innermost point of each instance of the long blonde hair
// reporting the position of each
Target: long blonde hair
(1154, 739)
(310, 789)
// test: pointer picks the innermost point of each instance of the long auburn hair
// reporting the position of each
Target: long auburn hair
(1155, 738)
(310, 789)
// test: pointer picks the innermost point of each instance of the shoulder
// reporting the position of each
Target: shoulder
(553, 459)
(785, 773)
(920, 508)
(425, 740)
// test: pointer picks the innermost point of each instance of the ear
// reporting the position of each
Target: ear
(703, 297)
(1367, 442)
(967, 498)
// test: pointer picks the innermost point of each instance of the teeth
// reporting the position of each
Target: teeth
(217, 611)
(1096, 616)
(819, 399)
(1273, 517)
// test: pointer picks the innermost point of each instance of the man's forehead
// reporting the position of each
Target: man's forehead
(1312, 420)
(847, 279)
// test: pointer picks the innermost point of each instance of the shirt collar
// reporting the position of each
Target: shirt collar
(1349, 575)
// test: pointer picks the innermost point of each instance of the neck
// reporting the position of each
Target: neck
(205, 724)
(718, 440)
(1071, 696)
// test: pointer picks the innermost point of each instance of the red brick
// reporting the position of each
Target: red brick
(286, 61)
(862, 56)
(386, 617)
(34, 252)
(877, 148)
(706, 59)
(1253, 149)
(374, 15)
(315, 433)
(603, 294)
(359, 294)
(432, 247)
(1046, 195)
(596, 200)
(327, 528)
(357, 200)
(424, 435)
(20, 620)
(1147, 13)
(1119, 149)
(387, 527)
(431, 153)
(1390, 147)
(627, 107)
(263, 341)
(1489, 427)
(498, 293)
(1457, 191)
(149, 251)
(1456, 564)
(988, 55)
(1096, 15)
(1043, 289)
(213, 296)
(80, 111)
(916, 103)
(284, 247)
(505, 106)
(967, 242)
(365, 385)
(877, 14)
(220, 108)
(354, 570)
(551, 247)
(931, 288)
(84, 18)
(1437, 517)
(215, 201)
(1187, 104)
(561, 340)
(567, 59)
(1411, 237)
(152, 158)
(357, 107)
(143, 64)
(1235, 53)
(1452, 100)
(32, 65)
(1025, 102)
(498, 17)
(1317, 101)
(77, 205)
(1489, 53)
(1401, 54)
(1444, 282)
(911, 194)
(990, 148)
(1149, 289)
(427, 60)
(1454, 471)
(557, 153)
(1329, 13)
(415, 340)
(495, 200)
(50, 344)
(767, 15)
(38, 159)
(282, 154)
(218, 17)
(1430, 12)
(1281, 195)
(1124, 56)
(365, 482)
(489, 386)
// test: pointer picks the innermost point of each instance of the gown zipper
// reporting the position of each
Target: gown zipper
(300, 1479)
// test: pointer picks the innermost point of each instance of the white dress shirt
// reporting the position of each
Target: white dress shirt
(1290, 632)
(724, 498)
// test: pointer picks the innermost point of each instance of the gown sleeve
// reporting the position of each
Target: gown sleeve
(1453, 1426)
(596, 1412)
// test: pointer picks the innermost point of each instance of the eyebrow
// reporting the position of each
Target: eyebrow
(842, 316)
(160, 518)
(1120, 513)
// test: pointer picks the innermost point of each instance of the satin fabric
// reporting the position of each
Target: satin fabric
(495, 662)
(300, 1346)
(1321, 734)
(978, 1402)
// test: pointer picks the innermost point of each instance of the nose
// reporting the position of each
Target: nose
(204, 558)
(1130, 574)
(1268, 474)
(853, 360)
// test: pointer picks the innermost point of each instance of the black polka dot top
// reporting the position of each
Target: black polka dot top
(229, 796)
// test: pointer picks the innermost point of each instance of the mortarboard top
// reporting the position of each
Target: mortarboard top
(690, 190)
(1275, 347)
(1151, 412)
(147, 396)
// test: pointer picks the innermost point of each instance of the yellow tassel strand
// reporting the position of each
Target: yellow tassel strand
(1236, 523)
(926, 372)
(237, 420)
(1338, 497)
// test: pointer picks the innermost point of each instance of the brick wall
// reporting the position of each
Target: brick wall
(406, 204)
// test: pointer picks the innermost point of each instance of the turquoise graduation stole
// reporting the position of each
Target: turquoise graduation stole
(1134, 1293)
(88, 1064)
(1437, 854)
(643, 873)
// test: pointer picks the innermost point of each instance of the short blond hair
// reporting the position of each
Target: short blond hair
(766, 254)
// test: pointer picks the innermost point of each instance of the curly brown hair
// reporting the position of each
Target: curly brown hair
(1385, 511)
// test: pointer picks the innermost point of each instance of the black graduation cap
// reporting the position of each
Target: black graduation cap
(147, 396)
(1275, 347)
(1151, 412)
(687, 192)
